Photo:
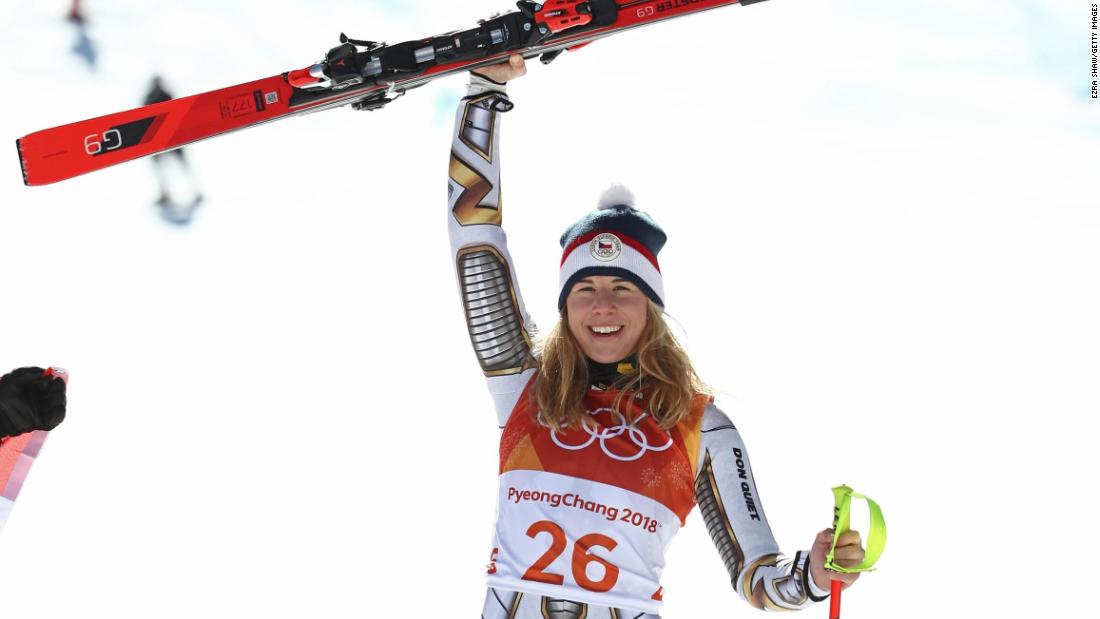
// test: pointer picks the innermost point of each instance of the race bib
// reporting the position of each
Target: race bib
(580, 540)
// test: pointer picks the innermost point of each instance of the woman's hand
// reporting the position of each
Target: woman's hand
(30, 400)
(848, 553)
(502, 72)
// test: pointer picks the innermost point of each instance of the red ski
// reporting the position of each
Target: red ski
(364, 74)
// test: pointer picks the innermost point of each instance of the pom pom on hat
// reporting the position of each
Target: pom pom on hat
(616, 195)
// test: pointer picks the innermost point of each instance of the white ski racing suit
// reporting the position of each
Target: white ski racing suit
(584, 515)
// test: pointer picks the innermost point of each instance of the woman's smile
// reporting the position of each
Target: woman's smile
(606, 315)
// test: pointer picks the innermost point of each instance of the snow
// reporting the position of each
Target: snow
(883, 249)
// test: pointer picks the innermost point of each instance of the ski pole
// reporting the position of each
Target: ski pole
(834, 599)
(875, 541)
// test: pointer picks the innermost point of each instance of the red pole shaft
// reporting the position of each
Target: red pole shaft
(834, 599)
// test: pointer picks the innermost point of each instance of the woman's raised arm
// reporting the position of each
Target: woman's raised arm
(499, 326)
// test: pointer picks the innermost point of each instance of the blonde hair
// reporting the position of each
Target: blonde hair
(664, 374)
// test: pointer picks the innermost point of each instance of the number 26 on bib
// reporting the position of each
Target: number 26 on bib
(582, 558)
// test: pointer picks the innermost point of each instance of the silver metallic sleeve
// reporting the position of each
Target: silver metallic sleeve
(493, 318)
(499, 328)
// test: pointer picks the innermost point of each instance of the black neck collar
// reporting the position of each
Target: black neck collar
(604, 375)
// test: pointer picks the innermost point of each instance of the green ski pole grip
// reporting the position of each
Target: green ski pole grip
(874, 540)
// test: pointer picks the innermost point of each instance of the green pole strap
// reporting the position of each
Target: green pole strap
(875, 539)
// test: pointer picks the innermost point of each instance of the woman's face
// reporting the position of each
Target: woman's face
(606, 317)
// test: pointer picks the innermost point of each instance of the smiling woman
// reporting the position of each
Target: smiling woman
(574, 357)
(609, 438)
(606, 316)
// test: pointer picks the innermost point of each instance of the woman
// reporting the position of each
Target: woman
(608, 437)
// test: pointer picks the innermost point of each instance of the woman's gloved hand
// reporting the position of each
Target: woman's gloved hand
(30, 400)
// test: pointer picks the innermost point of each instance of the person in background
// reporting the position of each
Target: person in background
(84, 46)
(30, 399)
(173, 209)
(76, 14)
(32, 402)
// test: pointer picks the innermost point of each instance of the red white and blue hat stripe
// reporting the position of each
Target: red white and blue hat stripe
(615, 240)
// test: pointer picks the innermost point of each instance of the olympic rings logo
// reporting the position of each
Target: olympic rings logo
(636, 436)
